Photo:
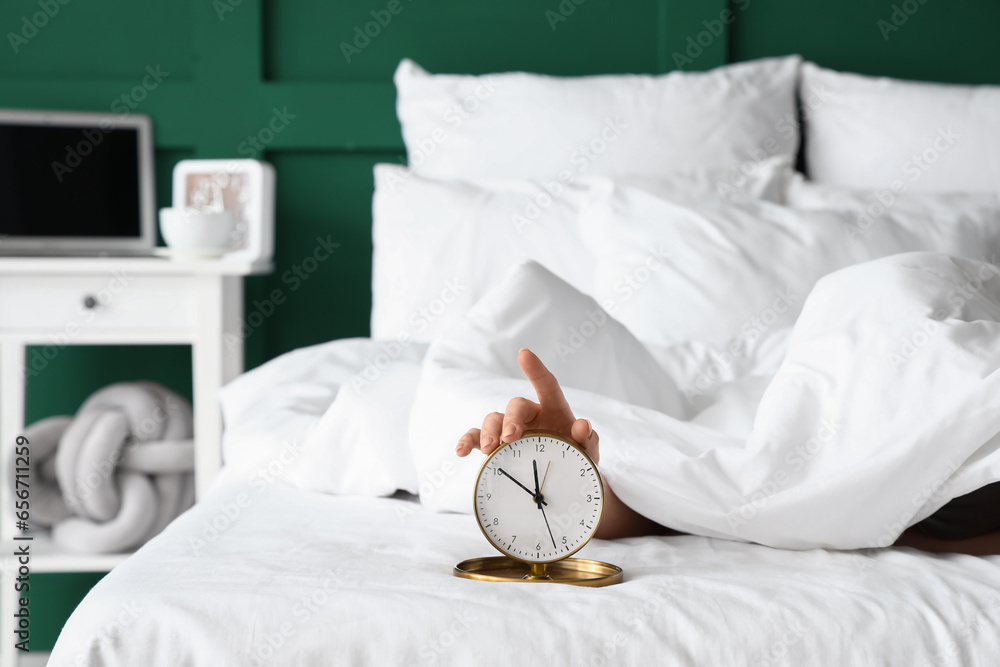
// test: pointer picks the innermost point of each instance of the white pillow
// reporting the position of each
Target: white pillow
(673, 273)
(329, 417)
(870, 205)
(519, 125)
(439, 245)
(866, 132)
(472, 370)
(360, 447)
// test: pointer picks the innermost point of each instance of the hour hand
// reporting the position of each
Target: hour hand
(508, 475)
(538, 491)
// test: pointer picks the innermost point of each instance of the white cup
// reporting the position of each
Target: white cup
(191, 230)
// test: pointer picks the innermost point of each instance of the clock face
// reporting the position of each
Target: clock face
(547, 524)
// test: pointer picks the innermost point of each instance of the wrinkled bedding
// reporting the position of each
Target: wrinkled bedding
(884, 406)
(272, 575)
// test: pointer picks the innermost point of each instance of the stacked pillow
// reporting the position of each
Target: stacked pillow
(502, 165)
(902, 157)
(868, 133)
(660, 198)
(518, 125)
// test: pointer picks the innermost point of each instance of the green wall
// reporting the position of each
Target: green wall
(229, 64)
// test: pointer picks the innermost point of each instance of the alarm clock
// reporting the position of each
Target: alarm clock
(538, 500)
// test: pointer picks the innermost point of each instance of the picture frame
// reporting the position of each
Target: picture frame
(246, 187)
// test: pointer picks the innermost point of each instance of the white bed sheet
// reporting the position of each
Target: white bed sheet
(297, 578)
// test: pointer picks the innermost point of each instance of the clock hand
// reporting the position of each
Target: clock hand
(504, 472)
(547, 526)
(538, 491)
(545, 476)
(539, 501)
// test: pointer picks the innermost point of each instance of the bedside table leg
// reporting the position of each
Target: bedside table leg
(217, 358)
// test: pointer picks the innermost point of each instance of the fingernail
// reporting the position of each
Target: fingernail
(522, 350)
(508, 431)
(589, 426)
(487, 441)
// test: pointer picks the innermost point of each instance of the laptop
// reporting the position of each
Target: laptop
(76, 184)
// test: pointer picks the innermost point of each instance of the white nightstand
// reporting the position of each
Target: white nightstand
(88, 301)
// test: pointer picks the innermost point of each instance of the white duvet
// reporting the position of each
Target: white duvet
(885, 404)
(263, 573)
(272, 575)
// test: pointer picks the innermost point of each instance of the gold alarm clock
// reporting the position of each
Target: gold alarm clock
(539, 500)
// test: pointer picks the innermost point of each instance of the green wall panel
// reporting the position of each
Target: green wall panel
(936, 41)
(98, 40)
(55, 595)
(590, 38)
(60, 378)
(316, 294)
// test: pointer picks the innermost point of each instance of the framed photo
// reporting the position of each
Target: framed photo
(245, 187)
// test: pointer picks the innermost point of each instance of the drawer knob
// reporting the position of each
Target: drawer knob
(89, 302)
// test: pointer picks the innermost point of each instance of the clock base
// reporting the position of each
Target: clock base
(572, 571)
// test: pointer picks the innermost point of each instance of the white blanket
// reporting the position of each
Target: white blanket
(271, 575)
(886, 404)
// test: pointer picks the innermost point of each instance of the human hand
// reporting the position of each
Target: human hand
(550, 413)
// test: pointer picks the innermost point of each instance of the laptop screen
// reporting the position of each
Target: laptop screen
(69, 181)
(75, 183)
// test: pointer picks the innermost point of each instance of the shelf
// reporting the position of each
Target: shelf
(17, 265)
(47, 557)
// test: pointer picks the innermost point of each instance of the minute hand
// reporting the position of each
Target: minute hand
(530, 492)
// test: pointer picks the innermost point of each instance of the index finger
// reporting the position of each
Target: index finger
(550, 395)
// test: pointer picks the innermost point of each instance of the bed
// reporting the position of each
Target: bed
(667, 300)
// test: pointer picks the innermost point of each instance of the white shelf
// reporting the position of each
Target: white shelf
(47, 557)
(140, 265)
(34, 659)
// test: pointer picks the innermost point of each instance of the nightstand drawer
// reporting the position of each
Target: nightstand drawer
(78, 304)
